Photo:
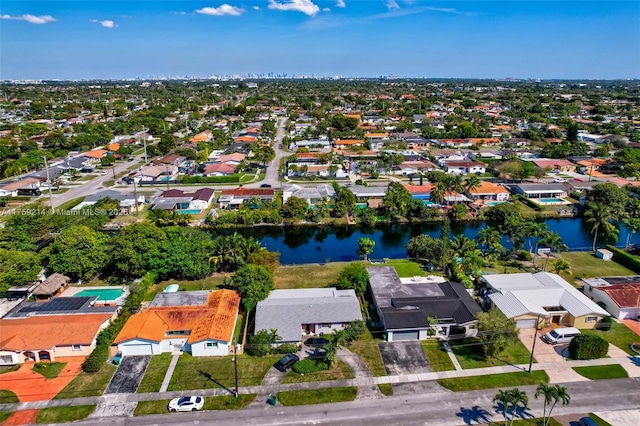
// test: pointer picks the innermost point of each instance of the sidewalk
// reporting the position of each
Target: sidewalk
(626, 362)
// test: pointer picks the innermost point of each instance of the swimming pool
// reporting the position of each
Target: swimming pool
(171, 288)
(550, 200)
(493, 203)
(190, 211)
(102, 293)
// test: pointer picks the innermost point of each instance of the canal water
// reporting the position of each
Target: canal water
(299, 245)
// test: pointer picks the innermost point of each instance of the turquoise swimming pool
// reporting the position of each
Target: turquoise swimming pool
(102, 293)
(190, 211)
(550, 200)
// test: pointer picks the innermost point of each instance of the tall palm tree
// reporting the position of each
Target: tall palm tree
(438, 193)
(503, 397)
(456, 184)
(556, 394)
(599, 216)
(536, 230)
(472, 182)
(554, 241)
(633, 226)
(489, 238)
(561, 395)
(518, 398)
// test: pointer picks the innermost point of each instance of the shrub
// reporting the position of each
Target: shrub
(286, 348)
(354, 331)
(588, 346)
(309, 365)
(604, 324)
(96, 359)
(524, 255)
(259, 344)
(624, 258)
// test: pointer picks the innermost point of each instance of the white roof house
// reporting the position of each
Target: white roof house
(541, 294)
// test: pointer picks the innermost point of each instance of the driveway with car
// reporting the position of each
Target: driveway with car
(404, 358)
(129, 374)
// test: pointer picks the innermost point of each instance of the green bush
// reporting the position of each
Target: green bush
(210, 179)
(308, 365)
(604, 324)
(96, 359)
(588, 346)
(624, 258)
(524, 255)
(286, 348)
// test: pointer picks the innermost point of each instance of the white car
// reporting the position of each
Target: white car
(186, 403)
(103, 173)
(560, 180)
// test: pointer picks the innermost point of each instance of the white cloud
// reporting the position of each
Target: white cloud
(341, 3)
(32, 19)
(256, 7)
(305, 6)
(222, 10)
(106, 23)
(392, 5)
(442, 9)
(326, 9)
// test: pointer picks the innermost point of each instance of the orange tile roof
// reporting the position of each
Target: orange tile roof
(47, 331)
(96, 153)
(484, 140)
(489, 188)
(349, 141)
(378, 135)
(214, 321)
(248, 139)
(112, 147)
(419, 189)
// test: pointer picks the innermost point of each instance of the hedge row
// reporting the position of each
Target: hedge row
(99, 356)
(622, 257)
(530, 203)
(210, 179)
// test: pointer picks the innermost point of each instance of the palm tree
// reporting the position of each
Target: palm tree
(518, 398)
(561, 395)
(633, 226)
(561, 265)
(489, 238)
(471, 183)
(503, 398)
(456, 184)
(537, 230)
(461, 245)
(556, 394)
(554, 241)
(438, 193)
(600, 217)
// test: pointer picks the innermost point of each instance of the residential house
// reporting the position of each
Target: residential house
(463, 167)
(311, 144)
(371, 195)
(300, 313)
(453, 143)
(234, 198)
(95, 155)
(178, 200)
(560, 165)
(219, 169)
(415, 308)
(199, 322)
(347, 143)
(540, 190)
(542, 298)
(620, 296)
(488, 191)
(205, 136)
(27, 186)
(415, 167)
(311, 194)
(167, 172)
(127, 200)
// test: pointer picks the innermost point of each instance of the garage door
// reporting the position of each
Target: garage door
(530, 323)
(405, 335)
(137, 350)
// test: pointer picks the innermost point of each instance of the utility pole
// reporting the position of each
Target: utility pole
(235, 367)
(135, 196)
(168, 176)
(46, 167)
(145, 151)
(533, 347)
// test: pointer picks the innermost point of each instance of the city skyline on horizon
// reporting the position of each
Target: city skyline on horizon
(113, 40)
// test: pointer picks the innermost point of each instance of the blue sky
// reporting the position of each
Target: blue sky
(81, 39)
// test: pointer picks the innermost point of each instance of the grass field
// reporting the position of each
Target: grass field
(367, 349)
(491, 381)
(586, 265)
(64, 414)
(469, 354)
(209, 283)
(210, 403)
(4, 415)
(307, 276)
(317, 396)
(211, 372)
(386, 389)
(154, 375)
(7, 397)
(88, 384)
(619, 335)
(406, 268)
(438, 358)
(71, 204)
(339, 371)
(239, 330)
(602, 372)
(50, 370)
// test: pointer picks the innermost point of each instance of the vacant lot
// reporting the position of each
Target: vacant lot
(307, 276)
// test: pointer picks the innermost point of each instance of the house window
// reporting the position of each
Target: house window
(211, 345)
(178, 333)
(76, 347)
(6, 359)
(591, 319)
(327, 325)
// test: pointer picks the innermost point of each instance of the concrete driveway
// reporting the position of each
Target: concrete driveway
(129, 374)
(404, 358)
(544, 352)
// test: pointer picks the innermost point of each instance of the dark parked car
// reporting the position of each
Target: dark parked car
(316, 342)
(265, 185)
(286, 362)
(587, 421)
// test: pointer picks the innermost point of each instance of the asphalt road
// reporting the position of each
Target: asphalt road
(271, 176)
(432, 409)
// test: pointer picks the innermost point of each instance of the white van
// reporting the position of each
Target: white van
(561, 335)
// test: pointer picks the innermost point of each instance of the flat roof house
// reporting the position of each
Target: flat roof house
(200, 322)
(410, 308)
(300, 313)
(311, 194)
(540, 190)
(545, 297)
(234, 198)
(620, 296)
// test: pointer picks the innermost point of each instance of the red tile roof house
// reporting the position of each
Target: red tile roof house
(234, 198)
(200, 322)
(620, 296)
(181, 200)
(562, 165)
(219, 169)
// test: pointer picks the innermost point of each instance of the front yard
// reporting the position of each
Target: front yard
(7, 397)
(469, 354)
(602, 372)
(369, 352)
(213, 372)
(210, 403)
(317, 396)
(491, 381)
(154, 375)
(50, 370)
(64, 414)
(436, 354)
(619, 335)
(339, 371)
(88, 384)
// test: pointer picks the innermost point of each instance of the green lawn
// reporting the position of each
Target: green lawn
(155, 373)
(9, 368)
(203, 372)
(210, 403)
(586, 265)
(494, 381)
(71, 204)
(369, 352)
(88, 384)
(339, 371)
(50, 370)
(469, 354)
(64, 414)
(307, 276)
(619, 335)
(317, 396)
(8, 397)
(438, 358)
(209, 283)
(405, 268)
(239, 329)
(386, 389)
(602, 372)
(528, 422)
(598, 420)
(4, 415)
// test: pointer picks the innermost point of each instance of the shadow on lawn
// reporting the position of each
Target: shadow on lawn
(474, 414)
(208, 376)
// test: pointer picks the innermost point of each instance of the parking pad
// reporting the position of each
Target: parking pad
(404, 358)
(129, 374)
